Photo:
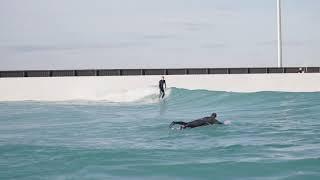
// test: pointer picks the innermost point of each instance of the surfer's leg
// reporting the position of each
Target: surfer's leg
(179, 122)
(163, 94)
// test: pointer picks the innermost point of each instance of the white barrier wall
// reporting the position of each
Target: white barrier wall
(124, 87)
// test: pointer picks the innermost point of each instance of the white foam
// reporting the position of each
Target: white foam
(227, 122)
(147, 95)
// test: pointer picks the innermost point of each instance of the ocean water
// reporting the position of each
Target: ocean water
(269, 135)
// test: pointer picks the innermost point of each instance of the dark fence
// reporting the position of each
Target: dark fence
(110, 72)
(135, 72)
(63, 73)
(219, 71)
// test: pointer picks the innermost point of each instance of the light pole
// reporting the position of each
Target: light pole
(279, 33)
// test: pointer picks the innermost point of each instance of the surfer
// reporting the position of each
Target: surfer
(300, 70)
(198, 122)
(161, 83)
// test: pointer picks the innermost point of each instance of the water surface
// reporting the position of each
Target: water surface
(272, 135)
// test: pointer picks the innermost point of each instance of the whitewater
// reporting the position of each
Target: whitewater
(125, 135)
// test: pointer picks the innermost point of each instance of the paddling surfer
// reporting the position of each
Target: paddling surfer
(198, 122)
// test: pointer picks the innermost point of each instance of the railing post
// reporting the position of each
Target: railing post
(165, 71)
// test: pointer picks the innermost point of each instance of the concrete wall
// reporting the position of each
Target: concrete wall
(122, 88)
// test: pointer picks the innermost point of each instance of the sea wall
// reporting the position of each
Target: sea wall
(122, 88)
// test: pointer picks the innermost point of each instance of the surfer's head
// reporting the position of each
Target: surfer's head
(214, 115)
(163, 77)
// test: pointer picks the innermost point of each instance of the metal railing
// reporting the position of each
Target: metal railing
(135, 72)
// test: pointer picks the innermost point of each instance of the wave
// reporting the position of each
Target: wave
(146, 95)
(185, 96)
(178, 96)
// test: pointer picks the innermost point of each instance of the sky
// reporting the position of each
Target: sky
(107, 34)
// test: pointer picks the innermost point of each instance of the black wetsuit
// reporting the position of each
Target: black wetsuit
(196, 123)
(161, 83)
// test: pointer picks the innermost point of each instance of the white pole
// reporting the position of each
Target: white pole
(279, 33)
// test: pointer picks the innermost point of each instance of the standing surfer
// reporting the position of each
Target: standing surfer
(162, 83)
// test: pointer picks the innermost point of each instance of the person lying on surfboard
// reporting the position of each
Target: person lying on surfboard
(198, 122)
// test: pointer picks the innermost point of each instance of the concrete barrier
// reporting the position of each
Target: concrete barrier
(124, 87)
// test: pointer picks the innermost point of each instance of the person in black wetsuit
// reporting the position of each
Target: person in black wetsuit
(162, 83)
(198, 122)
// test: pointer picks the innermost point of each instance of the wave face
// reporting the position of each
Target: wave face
(270, 135)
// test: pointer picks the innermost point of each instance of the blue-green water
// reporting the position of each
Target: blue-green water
(272, 135)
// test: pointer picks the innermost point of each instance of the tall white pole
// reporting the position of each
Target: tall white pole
(279, 33)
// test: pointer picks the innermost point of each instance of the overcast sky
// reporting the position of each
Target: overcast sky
(82, 34)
